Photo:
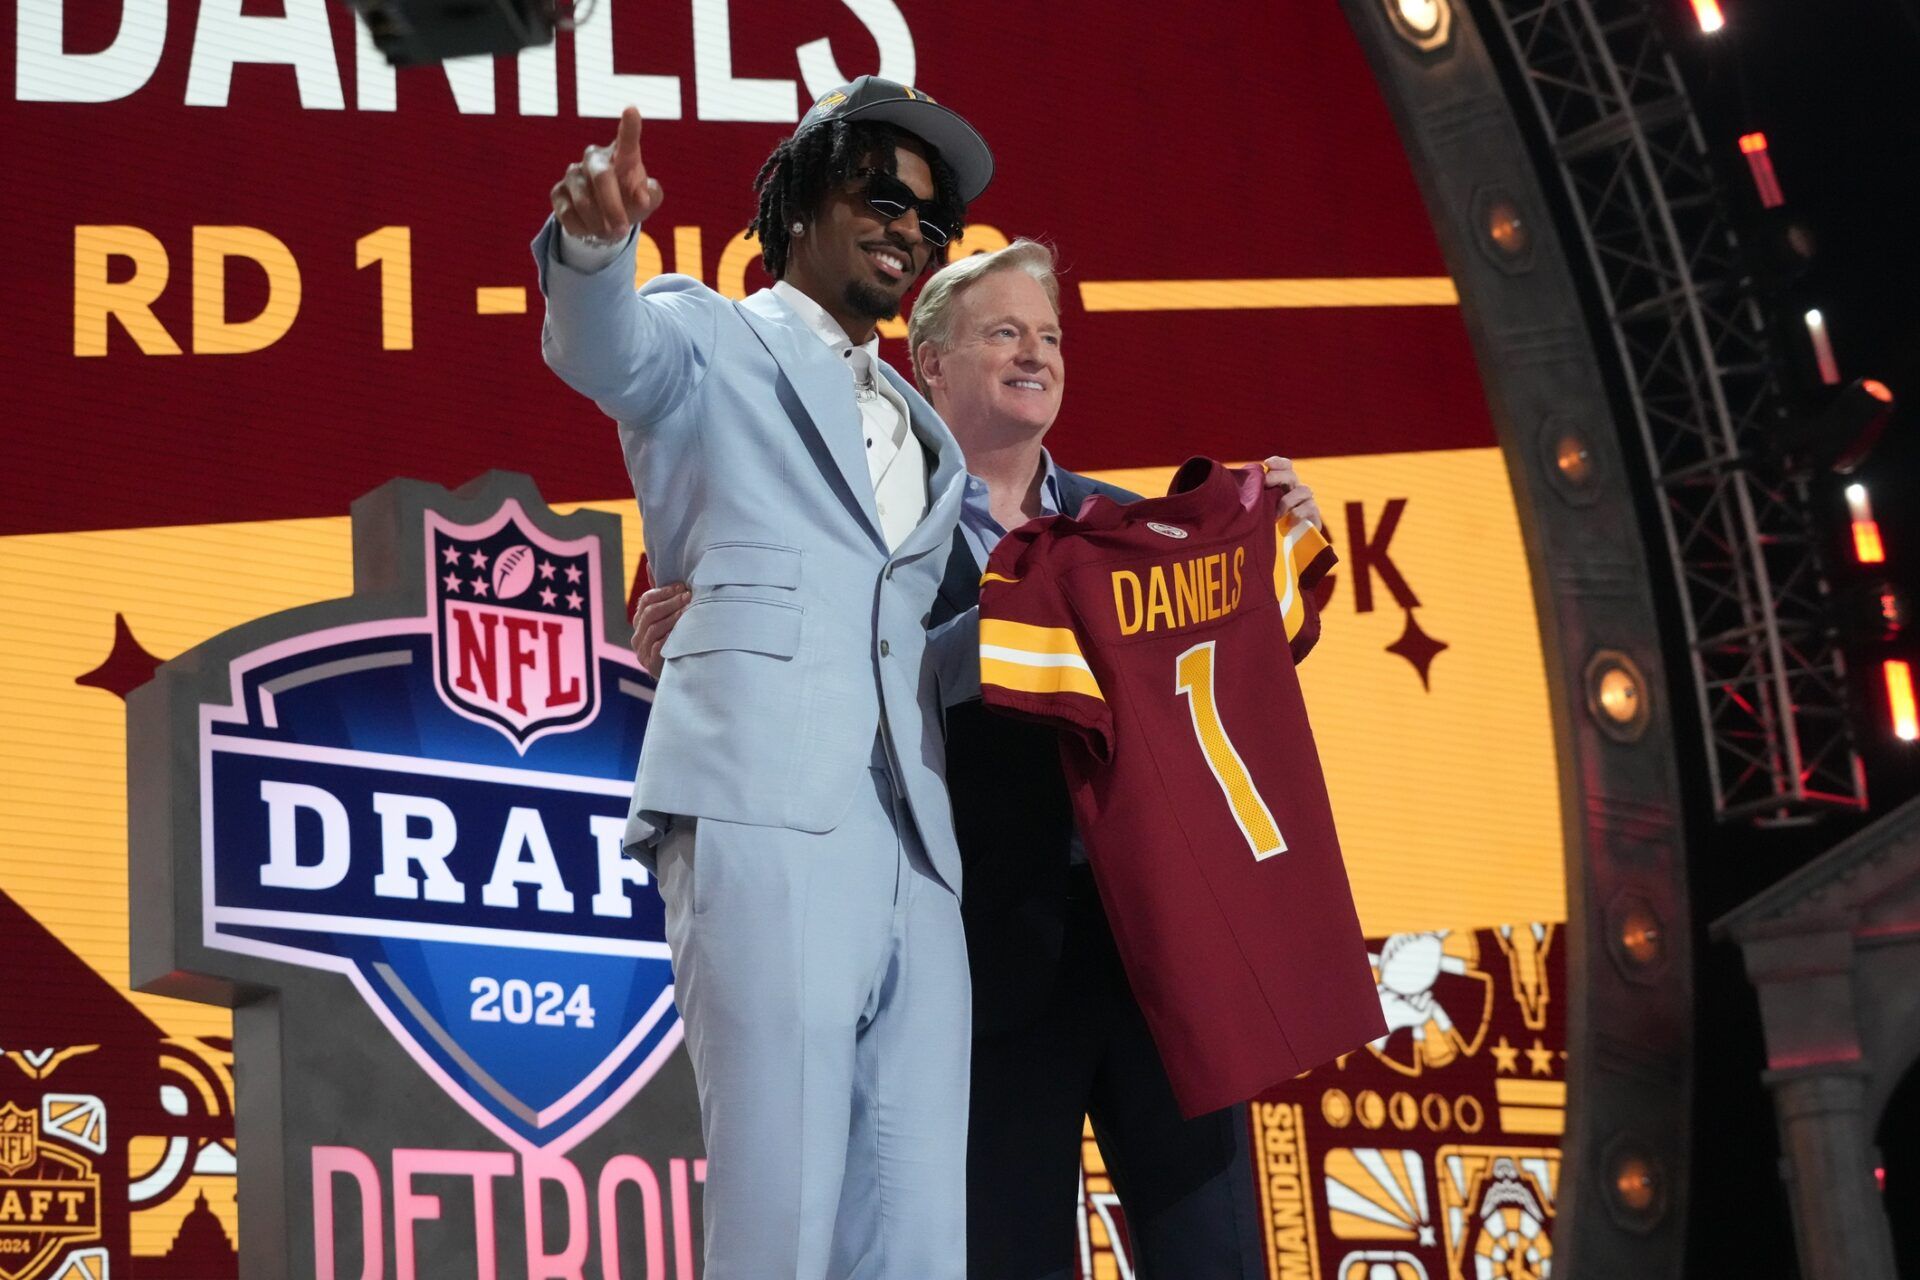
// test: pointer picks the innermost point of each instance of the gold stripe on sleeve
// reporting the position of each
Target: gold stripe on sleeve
(1024, 636)
(1022, 678)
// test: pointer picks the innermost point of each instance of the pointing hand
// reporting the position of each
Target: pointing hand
(607, 192)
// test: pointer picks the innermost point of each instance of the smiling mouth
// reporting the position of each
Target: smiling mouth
(893, 265)
(1026, 384)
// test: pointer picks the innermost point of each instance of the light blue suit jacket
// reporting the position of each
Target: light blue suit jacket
(745, 447)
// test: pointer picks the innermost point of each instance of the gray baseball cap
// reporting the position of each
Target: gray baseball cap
(871, 98)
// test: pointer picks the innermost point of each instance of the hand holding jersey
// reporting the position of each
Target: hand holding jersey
(1297, 501)
(1206, 819)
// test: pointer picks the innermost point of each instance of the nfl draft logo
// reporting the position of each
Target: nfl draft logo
(49, 1196)
(422, 790)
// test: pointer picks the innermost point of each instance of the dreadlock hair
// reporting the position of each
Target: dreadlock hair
(801, 171)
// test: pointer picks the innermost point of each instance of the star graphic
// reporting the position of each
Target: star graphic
(1418, 648)
(479, 559)
(1506, 1057)
(1426, 1235)
(1541, 1057)
(573, 600)
(573, 573)
(453, 581)
(546, 570)
(546, 596)
(479, 586)
(128, 665)
(451, 555)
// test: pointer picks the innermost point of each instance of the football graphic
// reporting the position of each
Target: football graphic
(512, 571)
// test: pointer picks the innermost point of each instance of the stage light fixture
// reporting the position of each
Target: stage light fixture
(1760, 164)
(1427, 25)
(1636, 1184)
(1708, 13)
(1506, 228)
(1783, 247)
(1838, 438)
(1636, 938)
(1867, 546)
(1617, 695)
(1568, 460)
(1793, 246)
(1822, 347)
(1854, 423)
(1901, 710)
(1421, 15)
(1877, 612)
(1894, 612)
(412, 32)
(1573, 459)
(1640, 935)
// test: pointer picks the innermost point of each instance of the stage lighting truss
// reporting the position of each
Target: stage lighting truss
(1693, 360)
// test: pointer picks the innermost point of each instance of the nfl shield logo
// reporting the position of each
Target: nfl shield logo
(19, 1140)
(514, 616)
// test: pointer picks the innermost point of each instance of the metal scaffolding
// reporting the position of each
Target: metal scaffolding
(1693, 359)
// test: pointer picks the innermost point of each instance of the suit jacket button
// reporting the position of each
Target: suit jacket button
(885, 648)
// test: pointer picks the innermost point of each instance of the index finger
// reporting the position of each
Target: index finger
(628, 139)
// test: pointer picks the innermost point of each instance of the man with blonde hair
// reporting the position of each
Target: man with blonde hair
(1057, 1033)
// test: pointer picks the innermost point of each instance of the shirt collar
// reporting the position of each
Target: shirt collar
(863, 359)
(1049, 487)
(1049, 484)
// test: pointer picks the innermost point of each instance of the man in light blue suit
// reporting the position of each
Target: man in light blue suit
(791, 793)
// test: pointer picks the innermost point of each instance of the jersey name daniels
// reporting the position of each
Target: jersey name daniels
(1166, 597)
(432, 805)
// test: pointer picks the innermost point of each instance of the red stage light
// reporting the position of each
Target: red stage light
(1708, 11)
(1754, 146)
(1822, 348)
(1866, 530)
(1867, 547)
(1900, 703)
(1893, 612)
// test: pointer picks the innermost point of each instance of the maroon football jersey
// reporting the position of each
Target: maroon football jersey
(1162, 637)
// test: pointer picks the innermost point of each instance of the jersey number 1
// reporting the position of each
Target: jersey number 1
(1193, 676)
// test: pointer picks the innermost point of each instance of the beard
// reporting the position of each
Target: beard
(870, 301)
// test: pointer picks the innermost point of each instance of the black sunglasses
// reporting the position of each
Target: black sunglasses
(889, 197)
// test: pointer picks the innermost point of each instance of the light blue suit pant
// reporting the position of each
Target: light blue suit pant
(823, 983)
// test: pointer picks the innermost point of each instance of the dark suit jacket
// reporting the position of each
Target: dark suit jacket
(1013, 820)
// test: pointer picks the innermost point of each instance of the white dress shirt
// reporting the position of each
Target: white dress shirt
(896, 461)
